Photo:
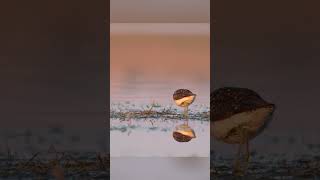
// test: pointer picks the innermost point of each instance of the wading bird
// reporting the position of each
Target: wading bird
(183, 98)
(239, 115)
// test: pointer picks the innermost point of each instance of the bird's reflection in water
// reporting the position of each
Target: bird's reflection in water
(183, 133)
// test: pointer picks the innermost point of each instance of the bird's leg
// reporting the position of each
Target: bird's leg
(246, 150)
(242, 159)
(186, 116)
(238, 169)
(237, 165)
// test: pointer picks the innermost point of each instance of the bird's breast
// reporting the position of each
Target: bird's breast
(185, 101)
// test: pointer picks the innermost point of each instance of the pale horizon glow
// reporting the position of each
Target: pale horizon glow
(160, 28)
(175, 11)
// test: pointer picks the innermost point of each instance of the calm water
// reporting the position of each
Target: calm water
(146, 140)
(187, 168)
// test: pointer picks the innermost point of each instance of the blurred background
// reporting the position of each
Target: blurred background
(53, 76)
(149, 61)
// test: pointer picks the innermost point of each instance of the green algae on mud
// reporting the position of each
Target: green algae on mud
(126, 111)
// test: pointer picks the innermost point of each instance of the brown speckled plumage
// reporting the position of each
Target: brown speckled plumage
(181, 93)
(181, 137)
(227, 101)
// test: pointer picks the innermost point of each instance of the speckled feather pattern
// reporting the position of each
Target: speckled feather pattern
(181, 93)
(180, 137)
(227, 101)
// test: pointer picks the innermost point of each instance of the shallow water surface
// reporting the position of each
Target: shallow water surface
(144, 139)
(186, 168)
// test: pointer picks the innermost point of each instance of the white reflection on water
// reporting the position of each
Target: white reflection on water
(186, 168)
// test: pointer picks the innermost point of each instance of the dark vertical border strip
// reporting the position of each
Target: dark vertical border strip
(212, 66)
(107, 82)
